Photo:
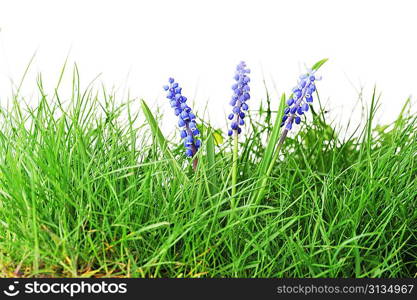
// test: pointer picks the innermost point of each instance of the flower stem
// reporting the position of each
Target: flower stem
(234, 167)
(195, 162)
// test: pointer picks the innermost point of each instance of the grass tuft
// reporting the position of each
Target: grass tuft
(88, 189)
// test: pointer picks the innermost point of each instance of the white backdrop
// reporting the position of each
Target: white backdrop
(137, 45)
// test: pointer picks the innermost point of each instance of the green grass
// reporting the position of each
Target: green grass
(89, 187)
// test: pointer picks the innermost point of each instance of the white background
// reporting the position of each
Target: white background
(137, 45)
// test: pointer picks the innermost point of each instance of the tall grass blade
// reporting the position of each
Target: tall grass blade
(160, 139)
(211, 156)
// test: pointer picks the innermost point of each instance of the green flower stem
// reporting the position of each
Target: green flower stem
(234, 170)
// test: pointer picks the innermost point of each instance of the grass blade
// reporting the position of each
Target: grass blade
(160, 139)
(210, 147)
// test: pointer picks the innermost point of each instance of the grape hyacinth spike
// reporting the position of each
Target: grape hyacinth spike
(300, 100)
(238, 102)
(186, 119)
(240, 96)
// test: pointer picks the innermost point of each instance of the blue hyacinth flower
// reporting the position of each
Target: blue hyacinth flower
(186, 119)
(300, 100)
(241, 94)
